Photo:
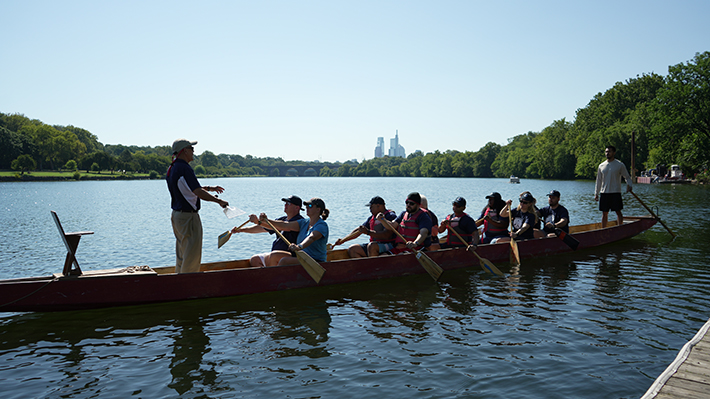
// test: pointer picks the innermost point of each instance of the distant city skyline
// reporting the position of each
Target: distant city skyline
(395, 150)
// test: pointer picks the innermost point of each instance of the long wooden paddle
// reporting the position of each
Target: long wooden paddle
(653, 214)
(427, 263)
(514, 253)
(346, 238)
(314, 269)
(224, 237)
(485, 263)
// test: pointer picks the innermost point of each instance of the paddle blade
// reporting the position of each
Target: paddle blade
(314, 269)
(567, 239)
(490, 267)
(429, 265)
(223, 238)
(514, 253)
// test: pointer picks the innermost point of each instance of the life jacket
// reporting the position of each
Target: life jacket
(378, 227)
(451, 238)
(409, 229)
(488, 228)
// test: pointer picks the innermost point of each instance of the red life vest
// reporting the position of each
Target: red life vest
(378, 227)
(409, 229)
(451, 238)
(489, 227)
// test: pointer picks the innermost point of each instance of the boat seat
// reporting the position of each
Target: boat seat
(71, 241)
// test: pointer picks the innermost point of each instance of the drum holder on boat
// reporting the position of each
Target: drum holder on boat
(71, 241)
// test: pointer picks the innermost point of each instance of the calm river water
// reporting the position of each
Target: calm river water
(600, 323)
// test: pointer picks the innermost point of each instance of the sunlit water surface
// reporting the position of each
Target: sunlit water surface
(599, 323)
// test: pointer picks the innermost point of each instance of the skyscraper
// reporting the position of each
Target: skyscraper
(380, 149)
(396, 150)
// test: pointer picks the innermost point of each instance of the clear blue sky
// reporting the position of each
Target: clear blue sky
(322, 80)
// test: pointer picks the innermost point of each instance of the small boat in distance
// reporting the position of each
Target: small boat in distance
(514, 179)
(137, 285)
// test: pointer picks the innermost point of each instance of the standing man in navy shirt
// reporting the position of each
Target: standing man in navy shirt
(185, 194)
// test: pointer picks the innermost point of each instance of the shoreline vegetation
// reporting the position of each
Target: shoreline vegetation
(665, 115)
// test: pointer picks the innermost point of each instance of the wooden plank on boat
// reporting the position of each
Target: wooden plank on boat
(123, 271)
(689, 374)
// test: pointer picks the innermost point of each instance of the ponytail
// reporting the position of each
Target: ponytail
(325, 213)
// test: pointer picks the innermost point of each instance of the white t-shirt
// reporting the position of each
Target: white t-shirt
(609, 177)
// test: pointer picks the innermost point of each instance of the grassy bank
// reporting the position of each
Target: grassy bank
(69, 175)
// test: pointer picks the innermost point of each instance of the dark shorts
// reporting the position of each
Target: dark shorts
(610, 202)
(383, 247)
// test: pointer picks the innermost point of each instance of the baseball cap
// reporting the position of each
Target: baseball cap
(293, 200)
(376, 200)
(317, 202)
(459, 201)
(494, 195)
(527, 197)
(181, 144)
(554, 193)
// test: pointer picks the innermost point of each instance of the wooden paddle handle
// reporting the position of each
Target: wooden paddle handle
(281, 236)
(243, 224)
(457, 235)
(349, 236)
(387, 222)
(652, 214)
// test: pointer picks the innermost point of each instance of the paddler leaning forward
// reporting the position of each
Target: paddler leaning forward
(312, 232)
(414, 224)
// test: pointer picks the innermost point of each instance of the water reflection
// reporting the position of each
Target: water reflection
(190, 344)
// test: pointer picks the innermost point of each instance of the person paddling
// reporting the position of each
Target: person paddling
(312, 232)
(279, 249)
(414, 224)
(381, 239)
(462, 223)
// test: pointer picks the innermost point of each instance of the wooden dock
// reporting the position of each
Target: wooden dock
(688, 377)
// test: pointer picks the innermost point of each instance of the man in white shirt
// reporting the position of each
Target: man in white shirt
(608, 188)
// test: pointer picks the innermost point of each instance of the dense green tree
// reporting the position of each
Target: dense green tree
(104, 160)
(13, 145)
(551, 155)
(65, 146)
(90, 141)
(514, 158)
(208, 158)
(610, 118)
(70, 165)
(24, 163)
(125, 160)
(681, 130)
(483, 160)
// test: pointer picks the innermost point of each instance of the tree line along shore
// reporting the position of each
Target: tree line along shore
(669, 117)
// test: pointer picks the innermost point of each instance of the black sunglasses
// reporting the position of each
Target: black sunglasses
(410, 203)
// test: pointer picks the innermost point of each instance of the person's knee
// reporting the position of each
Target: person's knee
(355, 251)
(255, 261)
(287, 260)
(373, 249)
